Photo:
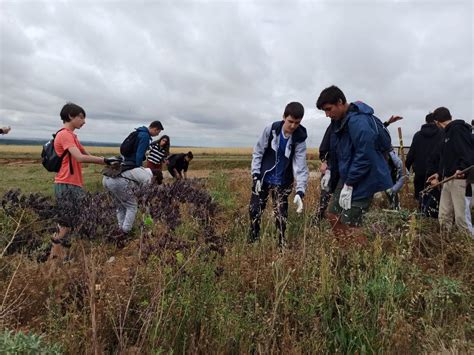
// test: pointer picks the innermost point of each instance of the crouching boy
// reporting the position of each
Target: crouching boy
(278, 158)
(122, 187)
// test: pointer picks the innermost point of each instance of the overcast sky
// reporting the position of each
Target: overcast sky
(216, 72)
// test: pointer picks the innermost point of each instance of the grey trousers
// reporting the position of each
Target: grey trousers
(125, 200)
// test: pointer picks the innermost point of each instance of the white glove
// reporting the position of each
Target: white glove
(299, 203)
(258, 187)
(345, 197)
(325, 180)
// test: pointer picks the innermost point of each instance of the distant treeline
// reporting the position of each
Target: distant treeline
(7, 141)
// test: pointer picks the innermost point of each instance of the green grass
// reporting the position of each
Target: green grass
(408, 291)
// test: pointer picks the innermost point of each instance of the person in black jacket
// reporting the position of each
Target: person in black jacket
(419, 157)
(455, 155)
(178, 165)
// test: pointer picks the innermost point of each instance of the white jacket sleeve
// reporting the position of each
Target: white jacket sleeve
(259, 149)
(300, 167)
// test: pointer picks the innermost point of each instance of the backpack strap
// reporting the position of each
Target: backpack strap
(71, 169)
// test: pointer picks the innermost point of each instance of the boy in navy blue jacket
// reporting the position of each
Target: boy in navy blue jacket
(359, 167)
(279, 157)
(141, 143)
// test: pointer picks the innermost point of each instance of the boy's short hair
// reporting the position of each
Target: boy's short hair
(441, 114)
(429, 118)
(71, 110)
(330, 95)
(190, 155)
(295, 110)
(156, 124)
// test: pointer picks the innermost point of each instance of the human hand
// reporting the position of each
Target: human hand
(323, 168)
(345, 197)
(256, 184)
(5, 130)
(394, 119)
(433, 179)
(112, 160)
(298, 201)
(325, 180)
(459, 174)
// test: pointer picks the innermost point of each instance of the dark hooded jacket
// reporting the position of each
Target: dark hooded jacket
(423, 145)
(457, 149)
(354, 154)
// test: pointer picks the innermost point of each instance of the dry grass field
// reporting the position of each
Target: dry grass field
(187, 280)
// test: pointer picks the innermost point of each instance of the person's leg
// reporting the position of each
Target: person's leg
(131, 211)
(159, 177)
(68, 205)
(256, 207)
(462, 206)
(280, 209)
(346, 224)
(117, 187)
(446, 207)
(324, 199)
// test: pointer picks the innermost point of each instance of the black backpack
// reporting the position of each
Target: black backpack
(50, 159)
(129, 145)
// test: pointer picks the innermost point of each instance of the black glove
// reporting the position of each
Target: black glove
(112, 160)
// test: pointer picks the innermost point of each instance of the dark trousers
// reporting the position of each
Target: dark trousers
(324, 199)
(258, 203)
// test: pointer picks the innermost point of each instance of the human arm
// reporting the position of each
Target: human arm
(411, 153)
(391, 120)
(325, 146)
(397, 162)
(142, 147)
(258, 151)
(300, 168)
(362, 137)
(84, 158)
(5, 130)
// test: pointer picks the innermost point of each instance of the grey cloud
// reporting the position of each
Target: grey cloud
(215, 73)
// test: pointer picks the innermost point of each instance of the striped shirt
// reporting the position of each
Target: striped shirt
(157, 154)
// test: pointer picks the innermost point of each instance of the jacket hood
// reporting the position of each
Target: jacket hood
(355, 108)
(360, 107)
(142, 129)
(429, 130)
(299, 135)
(458, 124)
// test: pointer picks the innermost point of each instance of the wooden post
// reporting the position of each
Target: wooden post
(402, 156)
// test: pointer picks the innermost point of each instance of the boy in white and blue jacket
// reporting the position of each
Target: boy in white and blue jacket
(279, 157)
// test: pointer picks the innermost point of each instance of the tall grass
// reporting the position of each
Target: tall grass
(408, 291)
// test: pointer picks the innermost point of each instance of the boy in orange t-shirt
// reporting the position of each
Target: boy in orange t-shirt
(68, 182)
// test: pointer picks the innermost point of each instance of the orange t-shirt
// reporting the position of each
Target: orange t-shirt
(64, 140)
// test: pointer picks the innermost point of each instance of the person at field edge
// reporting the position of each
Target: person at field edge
(328, 185)
(456, 154)
(279, 158)
(359, 167)
(159, 151)
(141, 145)
(178, 165)
(419, 157)
(68, 183)
(5, 130)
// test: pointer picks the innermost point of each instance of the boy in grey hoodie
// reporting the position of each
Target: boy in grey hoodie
(122, 190)
(279, 157)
